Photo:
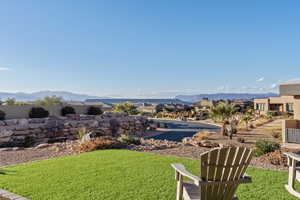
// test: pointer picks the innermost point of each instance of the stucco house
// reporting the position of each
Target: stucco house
(291, 128)
(276, 104)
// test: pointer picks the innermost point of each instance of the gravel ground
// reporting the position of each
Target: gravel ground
(195, 152)
(13, 157)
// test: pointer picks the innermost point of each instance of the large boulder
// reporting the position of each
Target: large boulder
(6, 133)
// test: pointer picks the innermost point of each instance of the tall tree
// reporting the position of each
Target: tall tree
(48, 101)
(222, 113)
(247, 118)
(10, 101)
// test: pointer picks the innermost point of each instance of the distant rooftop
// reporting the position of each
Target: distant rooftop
(104, 105)
(150, 101)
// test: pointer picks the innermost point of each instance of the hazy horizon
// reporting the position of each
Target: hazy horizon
(62, 93)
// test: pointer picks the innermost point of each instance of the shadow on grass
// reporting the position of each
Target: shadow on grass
(7, 172)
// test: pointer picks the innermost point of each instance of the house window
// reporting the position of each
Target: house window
(289, 107)
(260, 106)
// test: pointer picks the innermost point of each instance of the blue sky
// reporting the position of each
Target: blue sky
(142, 48)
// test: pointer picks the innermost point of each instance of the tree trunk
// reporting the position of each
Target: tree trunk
(223, 129)
(230, 135)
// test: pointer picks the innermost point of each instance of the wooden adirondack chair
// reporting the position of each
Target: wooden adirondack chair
(221, 171)
(294, 173)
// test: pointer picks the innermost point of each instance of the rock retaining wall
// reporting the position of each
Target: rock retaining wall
(24, 132)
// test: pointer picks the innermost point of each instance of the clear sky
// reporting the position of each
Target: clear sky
(148, 48)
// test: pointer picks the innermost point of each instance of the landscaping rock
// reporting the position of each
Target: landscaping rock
(11, 122)
(5, 149)
(6, 133)
(46, 129)
(41, 146)
(208, 144)
(23, 122)
(4, 139)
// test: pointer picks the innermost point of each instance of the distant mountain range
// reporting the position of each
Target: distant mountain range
(67, 96)
(150, 101)
(231, 96)
(180, 99)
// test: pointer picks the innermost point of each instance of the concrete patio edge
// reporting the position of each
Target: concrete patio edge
(11, 196)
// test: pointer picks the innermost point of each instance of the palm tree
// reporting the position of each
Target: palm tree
(222, 113)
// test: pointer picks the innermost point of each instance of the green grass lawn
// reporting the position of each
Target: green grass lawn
(120, 174)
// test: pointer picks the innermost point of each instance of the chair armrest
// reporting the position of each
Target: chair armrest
(292, 156)
(246, 178)
(180, 170)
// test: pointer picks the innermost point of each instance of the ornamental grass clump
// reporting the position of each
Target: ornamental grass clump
(204, 135)
(130, 140)
(100, 143)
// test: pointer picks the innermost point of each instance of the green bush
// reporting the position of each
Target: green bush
(67, 110)
(271, 114)
(128, 108)
(93, 110)
(2, 115)
(29, 141)
(264, 147)
(38, 112)
(130, 140)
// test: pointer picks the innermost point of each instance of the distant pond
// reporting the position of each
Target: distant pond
(181, 129)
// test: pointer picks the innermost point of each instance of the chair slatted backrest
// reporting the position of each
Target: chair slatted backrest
(223, 164)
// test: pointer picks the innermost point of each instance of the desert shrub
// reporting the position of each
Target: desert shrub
(38, 112)
(67, 110)
(28, 141)
(2, 115)
(241, 140)
(201, 136)
(276, 134)
(93, 110)
(130, 140)
(264, 147)
(128, 108)
(271, 114)
(100, 143)
(81, 132)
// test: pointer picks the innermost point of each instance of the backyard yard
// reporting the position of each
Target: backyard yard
(121, 174)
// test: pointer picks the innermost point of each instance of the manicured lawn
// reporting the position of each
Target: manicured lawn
(120, 174)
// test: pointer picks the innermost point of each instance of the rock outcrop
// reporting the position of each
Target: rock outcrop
(22, 132)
